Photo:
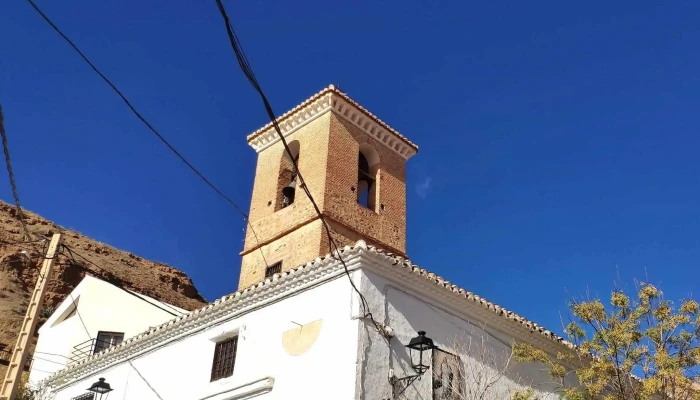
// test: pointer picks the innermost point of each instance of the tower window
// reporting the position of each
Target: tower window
(275, 268)
(367, 167)
(287, 178)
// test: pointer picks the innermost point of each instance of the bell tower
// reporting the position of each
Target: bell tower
(353, 164)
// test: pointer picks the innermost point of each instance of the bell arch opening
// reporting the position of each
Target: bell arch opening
(287, 177)
(367, 171)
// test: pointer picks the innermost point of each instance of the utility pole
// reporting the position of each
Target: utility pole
(19, 353)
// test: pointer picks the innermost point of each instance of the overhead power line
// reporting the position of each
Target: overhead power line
(11, 175)
(149, 126)
(50, 354)
(75, 307)
(248, 72)
(20, 243)
(170, 309)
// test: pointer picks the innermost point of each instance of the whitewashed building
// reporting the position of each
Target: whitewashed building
(307, 326)
(94, 316)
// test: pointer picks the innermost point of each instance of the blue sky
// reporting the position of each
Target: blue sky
(558, 143)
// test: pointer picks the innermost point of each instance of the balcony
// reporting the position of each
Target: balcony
(87, 348)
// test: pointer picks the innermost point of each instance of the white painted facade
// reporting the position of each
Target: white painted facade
(456, 328)
(102, 307)
(301, 335)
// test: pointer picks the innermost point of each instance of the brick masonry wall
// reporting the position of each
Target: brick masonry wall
(288, 234)
(313, 154)
(293, 249)
(328, 159)
(387, 226)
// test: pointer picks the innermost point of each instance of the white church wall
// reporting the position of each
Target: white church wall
(102, 307)
(264, 366)
(407, 313)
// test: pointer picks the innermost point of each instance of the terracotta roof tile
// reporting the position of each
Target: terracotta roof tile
(493, 307)
(396, 261)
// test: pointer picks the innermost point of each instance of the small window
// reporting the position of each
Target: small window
(448, 376)
(86, 396)
(224, 359)
(275, 268)
(106, 340)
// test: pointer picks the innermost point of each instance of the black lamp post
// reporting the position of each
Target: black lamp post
(100, 388)
(420, 344)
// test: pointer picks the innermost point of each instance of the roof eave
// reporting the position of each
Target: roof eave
(331, 99)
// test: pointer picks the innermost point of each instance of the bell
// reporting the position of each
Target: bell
(289, 190)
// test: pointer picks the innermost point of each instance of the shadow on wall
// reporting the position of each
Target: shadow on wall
(481, 357)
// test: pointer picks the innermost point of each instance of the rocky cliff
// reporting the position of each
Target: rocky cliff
(20, 264)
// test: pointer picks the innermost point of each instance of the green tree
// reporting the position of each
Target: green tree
(639, 348)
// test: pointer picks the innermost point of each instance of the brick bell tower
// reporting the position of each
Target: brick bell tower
(354, 165)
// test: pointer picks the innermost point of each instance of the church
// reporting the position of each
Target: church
(313, 321)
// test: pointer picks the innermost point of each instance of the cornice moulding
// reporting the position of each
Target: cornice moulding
(400, 271)
(330, 99)
(221, 310)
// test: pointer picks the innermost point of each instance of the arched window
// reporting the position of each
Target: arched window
(367, 167)
(287, 178)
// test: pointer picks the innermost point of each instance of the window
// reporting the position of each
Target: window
(275, 268)
(287, 178)
(106, 340)
(86, 396)
(448, 376)
(224, 359)
(367, 167)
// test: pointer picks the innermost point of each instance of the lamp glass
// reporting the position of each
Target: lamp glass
(100, 387)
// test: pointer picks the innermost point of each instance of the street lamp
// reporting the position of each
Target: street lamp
(100, 388)
(418, 344)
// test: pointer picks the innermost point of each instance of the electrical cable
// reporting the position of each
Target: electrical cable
(245, 66)
(41, 370)
(50, 354)
(144, 380)
(47, 360)
(76, 263)
(11, 175)
(248, 72)
(34, 252)
(149, 126)
(72, 252)
(77, 312)
(25, 242)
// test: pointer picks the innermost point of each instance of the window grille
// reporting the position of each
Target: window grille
(224, 359)
(275, 268)
(86, 396)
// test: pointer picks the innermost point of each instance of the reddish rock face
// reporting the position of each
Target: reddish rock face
(19, 271)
